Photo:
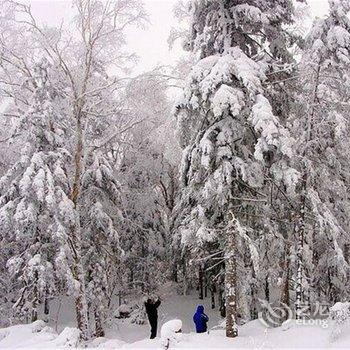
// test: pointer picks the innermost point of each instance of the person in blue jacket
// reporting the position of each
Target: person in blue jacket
(200, 319)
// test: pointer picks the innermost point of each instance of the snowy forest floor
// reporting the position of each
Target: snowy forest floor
(253, 335)
(124, 335)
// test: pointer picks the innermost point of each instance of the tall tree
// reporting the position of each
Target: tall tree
(101, 248)
(233, 138)
(323, 158)
(34, 196)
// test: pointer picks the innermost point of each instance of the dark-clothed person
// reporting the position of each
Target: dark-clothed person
(151, 305)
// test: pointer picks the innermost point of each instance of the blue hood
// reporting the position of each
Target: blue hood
(200, 309)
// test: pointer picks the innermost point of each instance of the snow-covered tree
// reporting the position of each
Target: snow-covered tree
(92, 205)
(100, 198)
(149, 178)
(33, 197)
(323, 159)
(84, 62)
(233, 138)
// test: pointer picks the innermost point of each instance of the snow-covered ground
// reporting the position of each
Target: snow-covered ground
(253, 335)
(172, 306)
(60, 332)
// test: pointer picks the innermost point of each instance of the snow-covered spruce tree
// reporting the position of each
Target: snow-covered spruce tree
(101, 250)
(31, 194)
(8, 156)
(232, 136)
(323, 159)
(101, 211)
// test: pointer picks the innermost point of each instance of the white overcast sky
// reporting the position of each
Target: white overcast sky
(150, 44)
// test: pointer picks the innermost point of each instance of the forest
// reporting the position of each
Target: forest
(223, 178)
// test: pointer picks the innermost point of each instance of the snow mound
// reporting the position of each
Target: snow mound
(339, 307)
(104, 343)
(37, 326)
(30, 336)
(339, 316)
(170, 327)
(49, 330)
(68, 338)
(3, 333)
(170, 333)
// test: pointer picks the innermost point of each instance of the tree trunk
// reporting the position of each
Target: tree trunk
(285, 287)
(230, 285)
(75, 239)
(221, 301)
(267, 288)
(184, 277)
(99, 331)
(80, 301)
(174, 271)
(299, 285)
(331, 289)
(300, 227)
(35, 300)
(174, 258)
(299, 230)
(212, 292)
(200, 282)
(34, 316)
(347, 258)
(120, 298)
(46, 308)
(145, 286)
(131, 276)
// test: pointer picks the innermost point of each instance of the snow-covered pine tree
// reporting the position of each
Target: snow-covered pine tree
(31, 194)
(323, 159)
(101, 249)
(232, 136)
